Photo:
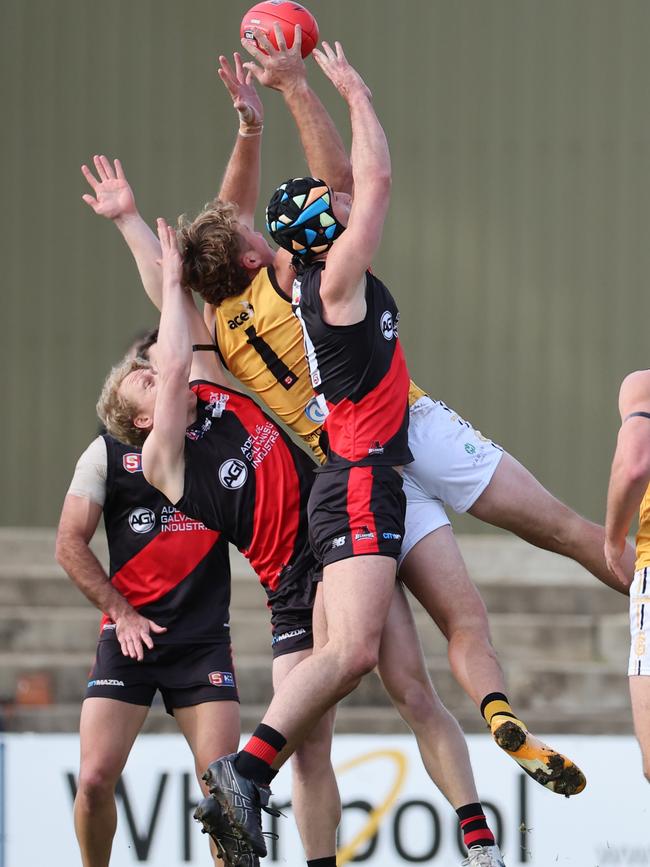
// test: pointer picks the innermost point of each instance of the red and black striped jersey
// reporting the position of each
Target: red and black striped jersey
(172, 568)
(245, 477)
(359, 373)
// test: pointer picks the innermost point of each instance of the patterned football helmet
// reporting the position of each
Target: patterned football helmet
(300, 219)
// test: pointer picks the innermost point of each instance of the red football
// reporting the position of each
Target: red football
(264, 15)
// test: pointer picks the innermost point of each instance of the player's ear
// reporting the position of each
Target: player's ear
(143, 421)
(251, 260)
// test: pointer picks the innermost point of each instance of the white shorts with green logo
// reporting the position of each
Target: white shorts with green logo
(453, 465)
(640, 623)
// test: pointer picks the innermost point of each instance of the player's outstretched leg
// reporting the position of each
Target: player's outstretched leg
(447, 593)
(544, 764)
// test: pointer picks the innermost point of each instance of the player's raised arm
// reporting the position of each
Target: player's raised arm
(630, 474)
(283, 69)
(354, 251)
(241, 180)
(113, 198)
(163, 460)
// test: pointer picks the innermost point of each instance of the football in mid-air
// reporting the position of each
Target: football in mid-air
(287, 14)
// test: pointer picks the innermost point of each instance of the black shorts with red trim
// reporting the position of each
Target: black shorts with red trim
(185, 674)
(291, 610)
(356, 511)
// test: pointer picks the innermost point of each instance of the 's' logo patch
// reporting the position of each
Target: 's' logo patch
(132, 462)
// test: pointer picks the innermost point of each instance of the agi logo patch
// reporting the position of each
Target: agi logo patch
(142, 520)
(233, 474)
(221, 678)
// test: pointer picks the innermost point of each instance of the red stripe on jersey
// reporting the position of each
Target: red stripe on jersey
(360, 517)
(276, 520)
(162, 565)
(354, 428)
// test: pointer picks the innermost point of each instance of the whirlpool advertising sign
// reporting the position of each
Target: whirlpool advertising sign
(393, 815)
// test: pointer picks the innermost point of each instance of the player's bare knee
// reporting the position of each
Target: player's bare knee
(95, 787)
(416, 700)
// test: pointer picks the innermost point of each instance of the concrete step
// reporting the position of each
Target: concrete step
(349, 720)
(593, 687)
(523, 636)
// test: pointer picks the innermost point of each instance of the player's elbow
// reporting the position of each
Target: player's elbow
(637, 471)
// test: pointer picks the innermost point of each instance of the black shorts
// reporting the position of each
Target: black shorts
(185, 674)
(291, 609)
(356, 511)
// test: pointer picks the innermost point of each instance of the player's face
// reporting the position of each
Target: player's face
(139, 389)
(256, 242)
(341, 206)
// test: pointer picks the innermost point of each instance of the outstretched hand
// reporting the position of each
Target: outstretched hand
(113, 197)
(172, 265)
(279, 68)
(340, 72)
(239, 84)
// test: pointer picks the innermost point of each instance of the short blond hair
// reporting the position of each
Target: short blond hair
(116, 413)
(211, 246)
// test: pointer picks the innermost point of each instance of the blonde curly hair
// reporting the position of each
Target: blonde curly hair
(116, 413)
(210, 247)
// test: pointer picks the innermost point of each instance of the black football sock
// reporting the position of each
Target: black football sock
(255, 760)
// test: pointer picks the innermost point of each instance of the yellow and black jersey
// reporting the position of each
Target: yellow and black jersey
(643, 534)
(261, 343)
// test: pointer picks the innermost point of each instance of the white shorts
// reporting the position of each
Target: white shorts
(453, 465)
(640, 623)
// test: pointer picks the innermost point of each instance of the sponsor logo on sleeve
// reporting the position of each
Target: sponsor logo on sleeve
(221, 678)
(142, 520)
(386, 325)
(315, 411)
(233, 474)
(132, 462)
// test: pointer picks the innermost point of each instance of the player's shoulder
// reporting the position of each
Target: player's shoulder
(634, 393)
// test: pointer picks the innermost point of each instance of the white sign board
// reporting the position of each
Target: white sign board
(393, 815)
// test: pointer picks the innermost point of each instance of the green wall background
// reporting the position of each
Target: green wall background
(517, 242)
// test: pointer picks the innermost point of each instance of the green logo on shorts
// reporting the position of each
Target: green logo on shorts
(470, 449)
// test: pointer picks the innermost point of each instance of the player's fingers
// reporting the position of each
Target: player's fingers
(339, 51)
(89, 200)
(156, 628)
(254, 69)
(239, 71)
(119, 171)
(225, 69)
(279, 37)
(162, 235)
(327, 48)
(137, 647)
(89, 176)
(147, 639)
(101, 174)
(251, 46)
(297, 39)
(108, 168)
(263, 41)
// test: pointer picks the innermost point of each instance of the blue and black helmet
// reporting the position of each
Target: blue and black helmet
(300, 218)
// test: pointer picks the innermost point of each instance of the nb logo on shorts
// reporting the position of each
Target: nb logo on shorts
(233, 474)
(339, 542)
